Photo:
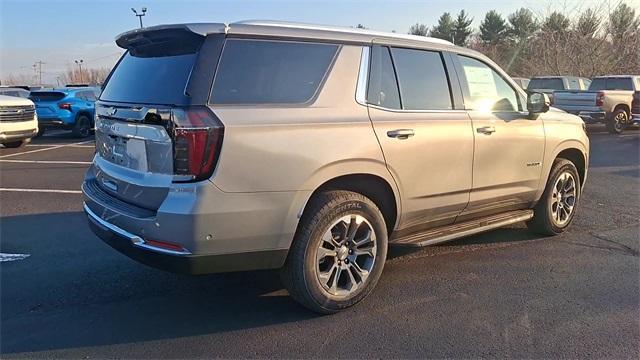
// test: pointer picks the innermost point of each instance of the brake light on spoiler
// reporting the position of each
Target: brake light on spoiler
(197, 140)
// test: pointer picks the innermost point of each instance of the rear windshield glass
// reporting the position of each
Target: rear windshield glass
(150, 80)
(46, 96)
(553, 84)
(270, 72)
(611, 84)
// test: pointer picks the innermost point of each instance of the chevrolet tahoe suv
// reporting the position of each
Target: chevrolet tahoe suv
(310, 149)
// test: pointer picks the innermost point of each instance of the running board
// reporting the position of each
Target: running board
(451, 232)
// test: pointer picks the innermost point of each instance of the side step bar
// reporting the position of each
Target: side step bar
(451, 232)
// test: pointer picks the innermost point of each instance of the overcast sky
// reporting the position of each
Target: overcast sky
(59, 32)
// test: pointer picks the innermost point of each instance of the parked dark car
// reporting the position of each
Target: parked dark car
(549, 84)
(66, 108)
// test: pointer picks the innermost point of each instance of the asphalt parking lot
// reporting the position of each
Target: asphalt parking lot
(503, 293)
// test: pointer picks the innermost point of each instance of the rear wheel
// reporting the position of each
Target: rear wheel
(618, 121)
(338, 252)
(82, 129)
(15, 144)
(557, 206)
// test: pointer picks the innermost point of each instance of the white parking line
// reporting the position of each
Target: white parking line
(45, 149)
(42, 191)
(70, 145)
(12, 257)
(47, 162)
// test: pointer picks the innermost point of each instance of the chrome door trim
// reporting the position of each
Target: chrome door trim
(363, 76)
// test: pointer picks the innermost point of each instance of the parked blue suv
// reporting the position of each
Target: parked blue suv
(66, 108)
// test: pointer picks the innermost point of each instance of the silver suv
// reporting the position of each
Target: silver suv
(262, 145)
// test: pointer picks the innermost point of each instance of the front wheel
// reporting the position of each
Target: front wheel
(557, 206)
(338, 252)
(14, 144)
(617, 122)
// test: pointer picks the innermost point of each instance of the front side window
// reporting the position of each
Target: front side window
(485, 89)
(270, 72)
(422, 79)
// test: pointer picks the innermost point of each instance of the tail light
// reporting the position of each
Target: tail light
(65, 106)
(600, 98)
(635, 104)
(197, 140)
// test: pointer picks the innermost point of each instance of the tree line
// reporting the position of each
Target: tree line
(587, 43)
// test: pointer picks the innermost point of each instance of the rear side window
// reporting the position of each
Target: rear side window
(423, 80)
(270, 72)
(611, 84)
(383, 87)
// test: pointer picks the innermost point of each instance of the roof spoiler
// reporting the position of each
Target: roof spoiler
(133, 38)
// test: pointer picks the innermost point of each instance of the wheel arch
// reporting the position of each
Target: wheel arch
(578, 159)
(624, 107)
(374, 187)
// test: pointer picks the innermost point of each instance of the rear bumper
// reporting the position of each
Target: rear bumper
(17, 135)
(53, 123)
(183, 262)
(218, 231)
(592, 116)
(635, 118)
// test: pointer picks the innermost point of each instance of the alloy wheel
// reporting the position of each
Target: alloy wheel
(346, 255)
(563, 198)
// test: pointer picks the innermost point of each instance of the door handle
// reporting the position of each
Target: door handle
(487, 130)
(401, 134)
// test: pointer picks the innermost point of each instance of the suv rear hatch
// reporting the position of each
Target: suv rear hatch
(47, 102)
(153, 126)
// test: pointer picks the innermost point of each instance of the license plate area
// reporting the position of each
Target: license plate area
(140, 147)
(130, 153)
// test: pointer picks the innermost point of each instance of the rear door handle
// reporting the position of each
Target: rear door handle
(401, 133)
(487, 130)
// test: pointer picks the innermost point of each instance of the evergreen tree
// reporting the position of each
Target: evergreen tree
(556, 23)
(493, 28)
(445, 28)
(419, 29)
(462, 28)
(522, 25)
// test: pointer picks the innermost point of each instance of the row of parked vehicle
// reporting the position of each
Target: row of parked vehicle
(27, 112)
(613, 100)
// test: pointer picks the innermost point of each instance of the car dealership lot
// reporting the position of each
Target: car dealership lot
(503, 293)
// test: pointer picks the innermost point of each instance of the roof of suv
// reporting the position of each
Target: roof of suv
(290, 29)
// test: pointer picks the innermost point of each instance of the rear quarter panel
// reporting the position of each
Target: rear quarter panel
(295, 149)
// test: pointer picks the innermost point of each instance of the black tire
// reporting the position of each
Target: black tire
(40, 132)
(543, 221)
(617, 122)
(14, 144)
(300, 273)
(82, 129)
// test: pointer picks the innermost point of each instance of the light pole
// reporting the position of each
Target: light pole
(140, 15)
(79, 63)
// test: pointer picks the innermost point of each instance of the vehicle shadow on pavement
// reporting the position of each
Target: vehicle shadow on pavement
(75, 291)
(493, 238)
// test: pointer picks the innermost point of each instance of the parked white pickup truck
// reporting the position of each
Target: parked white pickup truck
(18, 121)
(608, 100)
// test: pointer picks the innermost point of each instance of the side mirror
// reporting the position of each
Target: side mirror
(538, 103)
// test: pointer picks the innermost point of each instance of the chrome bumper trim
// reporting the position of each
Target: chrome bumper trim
(135, 240)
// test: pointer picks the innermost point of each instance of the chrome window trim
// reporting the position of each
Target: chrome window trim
(363, 76)
(418, 111)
